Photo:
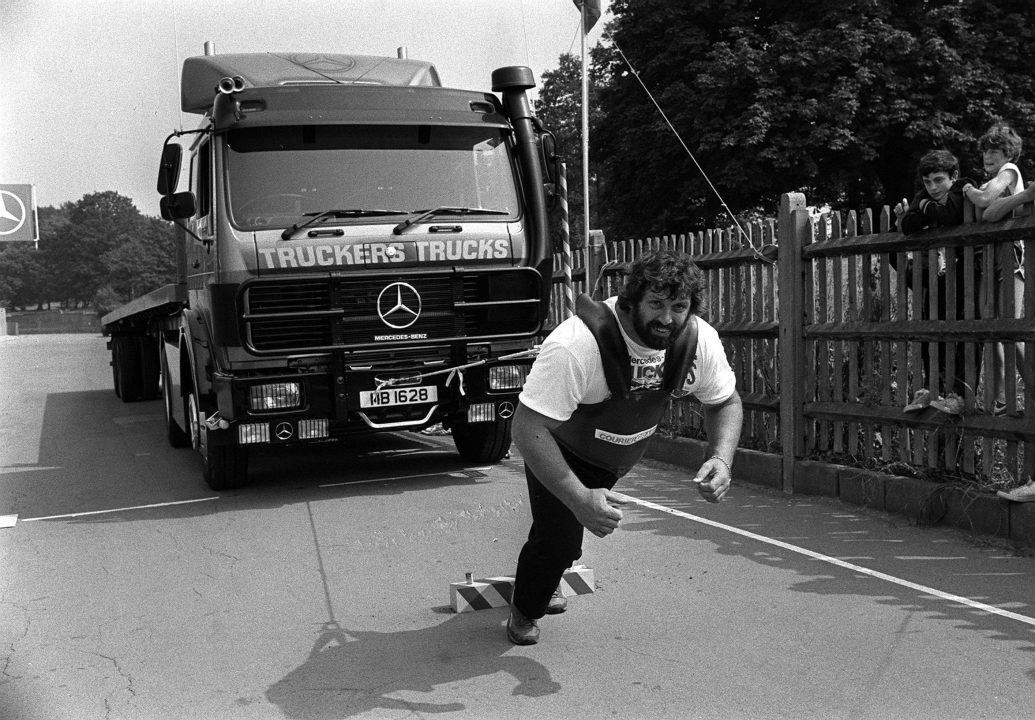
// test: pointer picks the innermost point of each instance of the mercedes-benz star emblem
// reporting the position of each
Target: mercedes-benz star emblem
(399, 305)
(12, 214)
(506, 409)
(284, 431)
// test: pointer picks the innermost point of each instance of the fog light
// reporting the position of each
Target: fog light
(482, 412)
(253, 433)
(507, 377)
(275, 396)
(315, 428)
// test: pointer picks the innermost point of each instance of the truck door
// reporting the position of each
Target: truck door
(201, 256)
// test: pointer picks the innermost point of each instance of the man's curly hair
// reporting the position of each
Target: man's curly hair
(666, 272)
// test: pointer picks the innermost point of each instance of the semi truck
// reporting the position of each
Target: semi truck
(359, 249)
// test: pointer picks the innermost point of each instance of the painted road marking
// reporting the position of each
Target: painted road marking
(834, 561)
(115, 510)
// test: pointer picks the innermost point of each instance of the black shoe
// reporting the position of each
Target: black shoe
(522, 630)
(558, 603)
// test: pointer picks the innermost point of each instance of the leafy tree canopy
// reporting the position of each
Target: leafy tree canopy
(100, 242)
(837, 100)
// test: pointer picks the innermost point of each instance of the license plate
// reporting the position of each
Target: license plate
(398, 396)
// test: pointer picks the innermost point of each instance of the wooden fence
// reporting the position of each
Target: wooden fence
(829, 342)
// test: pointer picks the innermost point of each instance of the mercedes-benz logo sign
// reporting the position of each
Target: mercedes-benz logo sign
(12, 212)
(506, 409)
(399, 305)
(284, 431)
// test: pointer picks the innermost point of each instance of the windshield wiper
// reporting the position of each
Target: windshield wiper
(315, 217)
(420, 215)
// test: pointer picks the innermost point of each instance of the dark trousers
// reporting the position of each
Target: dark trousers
(554, 541)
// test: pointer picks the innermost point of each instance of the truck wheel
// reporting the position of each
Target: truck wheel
(177, 436)
(482, 442)
(149, 368)
(126, 370)
(224, 467)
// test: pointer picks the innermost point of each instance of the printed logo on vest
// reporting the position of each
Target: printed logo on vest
(616, 439)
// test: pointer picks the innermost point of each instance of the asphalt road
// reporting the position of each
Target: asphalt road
(128, 589)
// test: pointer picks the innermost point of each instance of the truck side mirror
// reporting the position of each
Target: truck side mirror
(178, 206)
(169, 169)
(551, 163)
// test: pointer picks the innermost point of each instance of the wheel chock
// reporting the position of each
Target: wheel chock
(485, 593)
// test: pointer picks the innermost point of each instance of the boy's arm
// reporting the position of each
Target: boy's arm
(1002, 207)
(993, 190)
(914, 220)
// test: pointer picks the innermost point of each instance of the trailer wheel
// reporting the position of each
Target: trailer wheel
(224, 467)
(150, 364)
(482, 442)
(177, 436)
(126, 367)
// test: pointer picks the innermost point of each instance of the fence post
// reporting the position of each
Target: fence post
(793, 228)
(595, 258)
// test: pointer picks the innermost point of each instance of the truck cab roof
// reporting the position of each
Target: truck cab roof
(202, 74)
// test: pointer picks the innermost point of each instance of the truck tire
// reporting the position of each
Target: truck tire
(150, 365)
(224, 467)
(126, 369)
(177, 436)
(482, 442)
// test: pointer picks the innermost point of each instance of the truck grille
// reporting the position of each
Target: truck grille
(343, 313)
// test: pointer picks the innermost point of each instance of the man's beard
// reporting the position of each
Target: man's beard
(650, 338)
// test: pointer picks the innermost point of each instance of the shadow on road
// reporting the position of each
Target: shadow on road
(350, 672)
(824, 579)
(97, 453)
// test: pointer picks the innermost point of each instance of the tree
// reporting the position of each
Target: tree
(20, 275)
(836, 100)
(99, 249)
(559, 107)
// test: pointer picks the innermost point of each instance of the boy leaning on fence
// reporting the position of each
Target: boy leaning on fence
(938, 204)
(1000, 147)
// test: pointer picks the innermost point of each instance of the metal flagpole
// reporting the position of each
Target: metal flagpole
(585, 131)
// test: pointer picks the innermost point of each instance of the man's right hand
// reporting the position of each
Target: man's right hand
(597, 511)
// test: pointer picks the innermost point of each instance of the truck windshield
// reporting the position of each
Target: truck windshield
(275, 175)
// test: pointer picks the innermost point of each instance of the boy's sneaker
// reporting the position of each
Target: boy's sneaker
(558, 603)
(520, 629)
(1024, 493)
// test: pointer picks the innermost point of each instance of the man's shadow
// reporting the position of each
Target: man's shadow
(350, 672)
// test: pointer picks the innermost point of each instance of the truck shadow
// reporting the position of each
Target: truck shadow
(97, 453)
(351, 672)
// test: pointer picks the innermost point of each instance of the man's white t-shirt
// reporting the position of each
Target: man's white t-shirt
(569, 372)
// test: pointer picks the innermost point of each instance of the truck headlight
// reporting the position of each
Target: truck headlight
(507, 377)
(275, 396)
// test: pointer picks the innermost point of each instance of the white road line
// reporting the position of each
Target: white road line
(115, 510)
(840, 563)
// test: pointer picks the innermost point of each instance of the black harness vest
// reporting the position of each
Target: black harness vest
(613, 434)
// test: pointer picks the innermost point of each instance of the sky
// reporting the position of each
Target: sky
(89, 89)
